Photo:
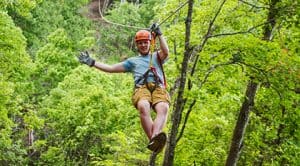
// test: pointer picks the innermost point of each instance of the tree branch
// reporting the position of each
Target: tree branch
(211, 69)
(240, 32)
(185, 120)
(152, 159)
(174, 87)
(256, 68)
(206, 36)
(252, 5)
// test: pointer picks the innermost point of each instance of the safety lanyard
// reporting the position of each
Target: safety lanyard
(153, 69)
(152, 48)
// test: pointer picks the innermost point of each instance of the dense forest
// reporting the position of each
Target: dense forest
(233, 76)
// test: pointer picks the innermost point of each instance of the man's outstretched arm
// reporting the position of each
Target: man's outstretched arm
(86, 59)
(116, 68)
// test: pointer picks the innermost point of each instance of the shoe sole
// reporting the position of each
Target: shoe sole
(162, 139)
(158, 142)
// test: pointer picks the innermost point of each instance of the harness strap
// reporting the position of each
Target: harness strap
(162, 69)
(146, 75)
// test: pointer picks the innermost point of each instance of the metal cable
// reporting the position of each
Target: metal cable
(129, 26)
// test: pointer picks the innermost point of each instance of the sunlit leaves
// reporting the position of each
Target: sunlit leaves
(90, 105)
(239, 28)
(16, 67)
(51, 15)
(54, 60)
(21, 8)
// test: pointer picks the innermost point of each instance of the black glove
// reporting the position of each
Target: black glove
(155, 28)
(85, 58)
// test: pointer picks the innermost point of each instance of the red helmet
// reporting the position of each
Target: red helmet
(142, 35)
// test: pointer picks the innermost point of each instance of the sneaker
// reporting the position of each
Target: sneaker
(153, 144)
(158, 142)
(161, 142)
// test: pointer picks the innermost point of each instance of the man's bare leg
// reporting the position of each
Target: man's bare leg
(161, 109)
(144, 108)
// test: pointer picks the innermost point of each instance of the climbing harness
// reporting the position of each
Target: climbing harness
(152, 69)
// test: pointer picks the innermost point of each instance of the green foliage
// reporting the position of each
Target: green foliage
(208, 131)
(81, 116)
(148, 10)
(54, 60)
(118, 40)
(51, 15)
(53, 156)
(20, 9)
(13, 55)
(93, 115)
(87, 42)
(274, 64)
(123, 150)
(16, 67)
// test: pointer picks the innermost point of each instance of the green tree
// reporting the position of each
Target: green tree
(88, 119)
(16, 67)
(225, 50)
(49, 16)
(54, 61)
(75, 115)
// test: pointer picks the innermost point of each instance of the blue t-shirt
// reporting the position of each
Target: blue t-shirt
(140, 64)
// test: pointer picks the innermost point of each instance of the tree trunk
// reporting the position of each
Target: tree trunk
(152, 159)
(241, 124)
(171, 144)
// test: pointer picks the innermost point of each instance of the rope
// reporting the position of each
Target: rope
(129, 26)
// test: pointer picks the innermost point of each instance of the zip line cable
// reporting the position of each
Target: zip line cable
(186, 2)
(129, 26)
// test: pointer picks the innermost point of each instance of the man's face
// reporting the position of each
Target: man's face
(143, 46)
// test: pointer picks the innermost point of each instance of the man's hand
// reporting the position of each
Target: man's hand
(155, 28)
(85, 58)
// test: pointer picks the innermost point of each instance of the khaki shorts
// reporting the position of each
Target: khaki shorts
(158, 95)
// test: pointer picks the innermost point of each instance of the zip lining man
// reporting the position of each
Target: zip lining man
(149, 91)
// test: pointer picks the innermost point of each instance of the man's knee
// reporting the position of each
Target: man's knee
(143, 106)
(162, 107)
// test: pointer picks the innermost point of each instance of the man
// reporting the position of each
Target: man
(149, 79)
